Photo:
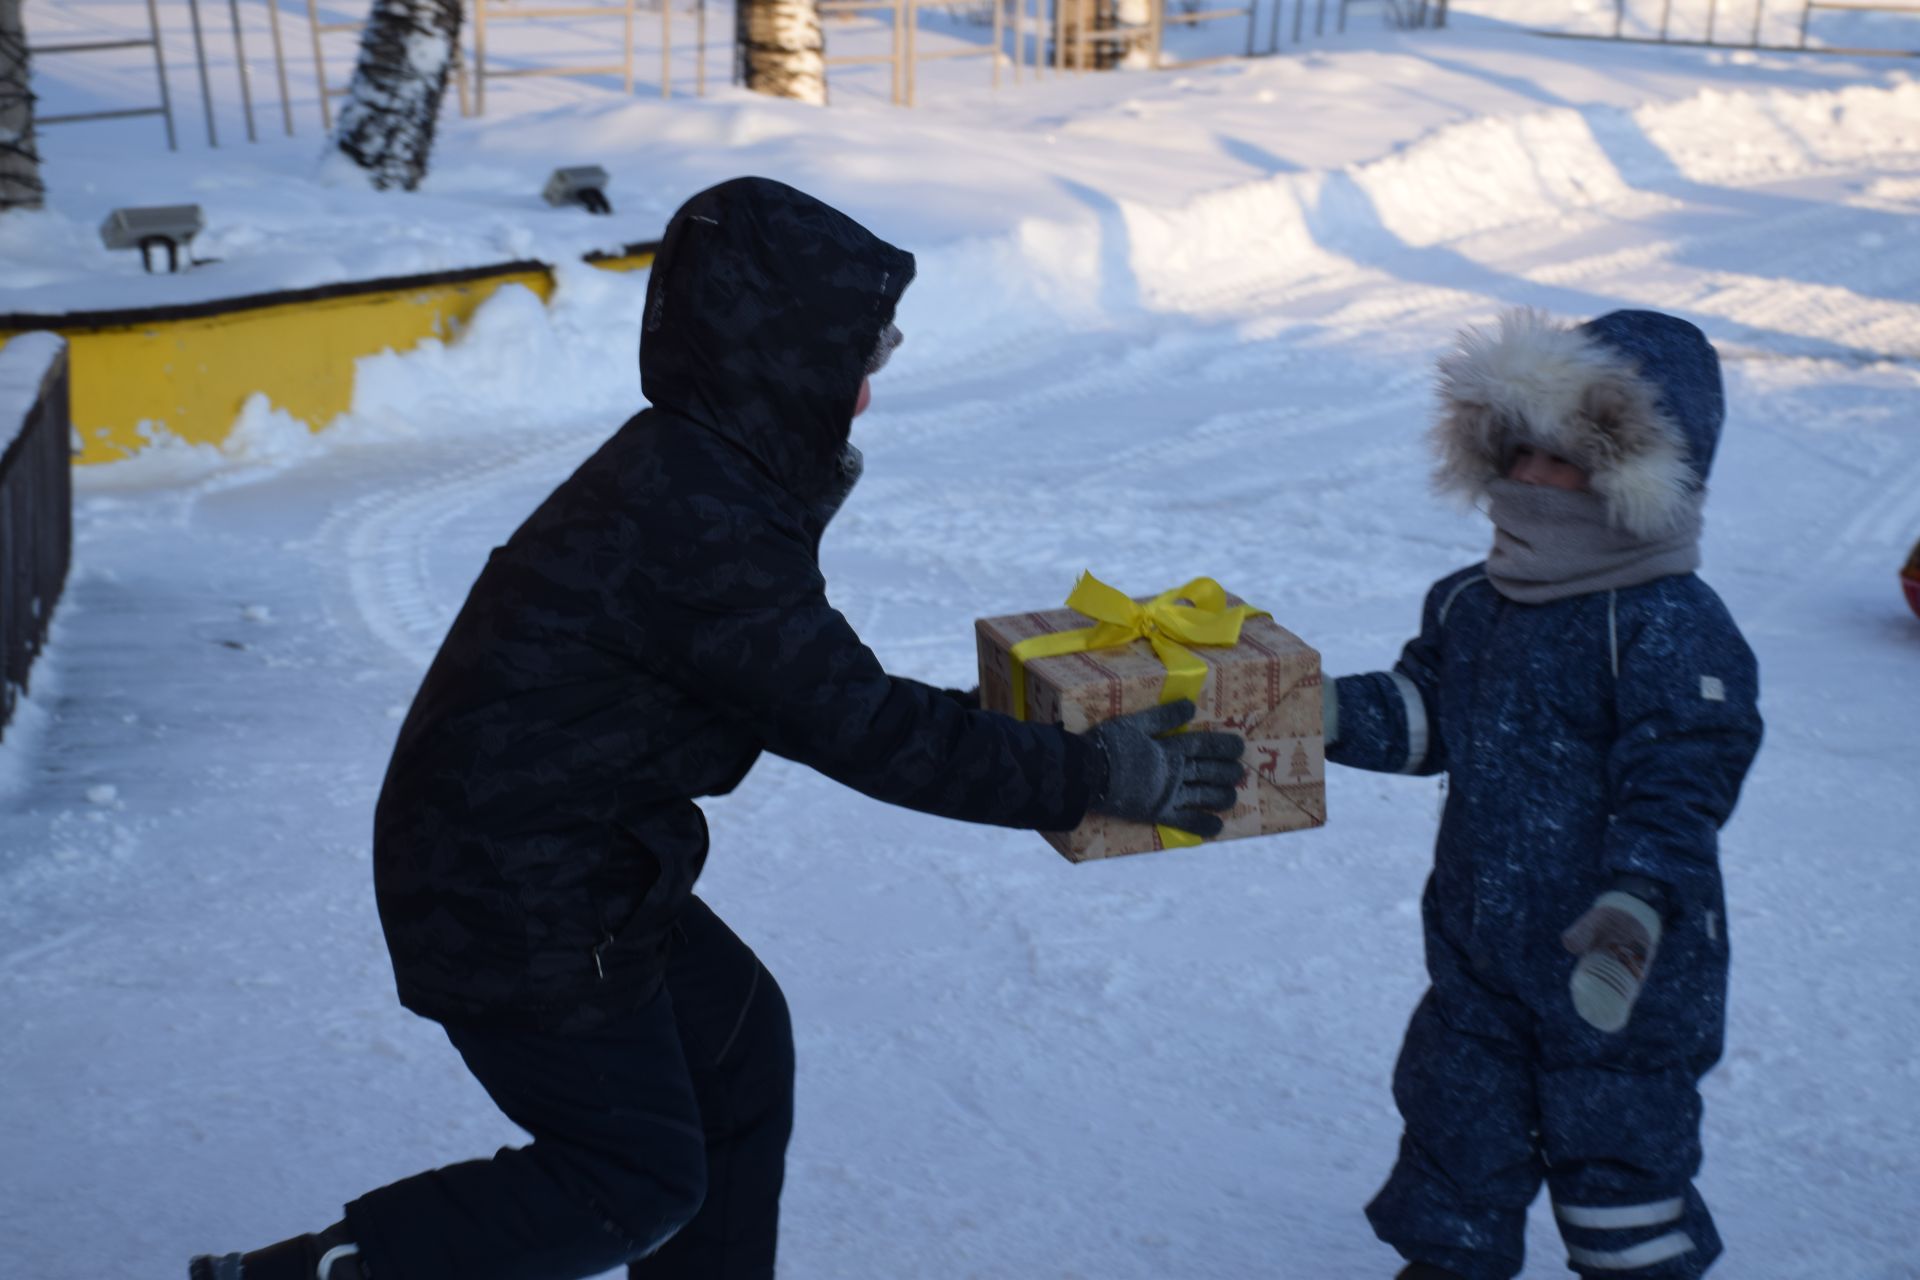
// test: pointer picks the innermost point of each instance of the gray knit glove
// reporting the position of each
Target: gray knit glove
(1182, 781)
(1616, 941)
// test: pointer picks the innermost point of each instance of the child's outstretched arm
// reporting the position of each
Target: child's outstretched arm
(1387, 721)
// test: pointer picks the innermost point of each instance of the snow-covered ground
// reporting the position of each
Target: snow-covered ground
(1165, 324)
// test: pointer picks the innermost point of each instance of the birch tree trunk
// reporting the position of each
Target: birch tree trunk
(20, 186)
(387, 120)
(1086, 19)
(781, 49)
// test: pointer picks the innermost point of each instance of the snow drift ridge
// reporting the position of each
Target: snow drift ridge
(1462, 179)
(1239, 248)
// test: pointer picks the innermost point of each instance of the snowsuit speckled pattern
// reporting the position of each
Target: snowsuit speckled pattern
(652, 627)
(1584, 738)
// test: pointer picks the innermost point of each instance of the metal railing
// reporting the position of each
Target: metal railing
(1711, 38)
(471, 89)
(508, 10)
(903, 56)
(1032, 38)
(898, 52)
(1405, 15)
(36, 531)
(165, 107)
(1842, 6)
(1028, 37)
(915, 57)
(1250, 12)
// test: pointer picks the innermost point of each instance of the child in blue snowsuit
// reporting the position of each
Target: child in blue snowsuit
(1593, 706)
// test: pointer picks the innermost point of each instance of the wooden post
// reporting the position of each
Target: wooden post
(479, 57)
(280, 63)
(626, 77)
(700, 48)
(999, 37)
(160, 70)
(200, 57)
(240, 61)
(913, 45)
(896, 44)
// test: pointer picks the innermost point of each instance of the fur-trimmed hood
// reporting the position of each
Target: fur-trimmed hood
(1633, 398)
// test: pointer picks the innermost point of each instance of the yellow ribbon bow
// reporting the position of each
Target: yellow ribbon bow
(1194, 614)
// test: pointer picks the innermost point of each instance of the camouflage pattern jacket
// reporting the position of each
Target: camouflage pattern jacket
(658, 622)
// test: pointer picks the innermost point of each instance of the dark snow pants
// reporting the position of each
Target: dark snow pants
(659, 1143)
(1487, 1119)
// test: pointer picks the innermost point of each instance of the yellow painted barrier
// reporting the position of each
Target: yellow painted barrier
(186, 370)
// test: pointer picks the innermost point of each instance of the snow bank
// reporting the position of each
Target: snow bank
(24, 362)
(969, 163)
(1488, 174)
(24, 735)
(1460, 180)
(517, 358)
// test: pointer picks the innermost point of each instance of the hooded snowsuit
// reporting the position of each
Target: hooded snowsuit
(658, 622)
(1596, 735)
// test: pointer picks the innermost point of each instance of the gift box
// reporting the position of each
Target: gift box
(1107, 655)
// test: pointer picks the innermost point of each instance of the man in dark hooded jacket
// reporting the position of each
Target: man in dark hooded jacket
(1594, 708)
(658, 622)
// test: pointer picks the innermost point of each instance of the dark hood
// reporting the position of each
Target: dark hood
(1676, 358)
(762, 308)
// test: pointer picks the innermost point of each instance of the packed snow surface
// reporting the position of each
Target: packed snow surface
(1164, 325)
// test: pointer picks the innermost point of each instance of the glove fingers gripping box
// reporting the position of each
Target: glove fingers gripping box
(1265, 688)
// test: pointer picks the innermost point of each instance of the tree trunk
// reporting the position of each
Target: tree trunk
(1083, 20)
(781, 49)
(387, 121)
(20, 186)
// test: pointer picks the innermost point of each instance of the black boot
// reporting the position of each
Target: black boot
(301, 1258)
(1426, 1271)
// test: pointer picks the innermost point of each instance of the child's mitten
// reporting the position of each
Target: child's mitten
(1616, 940)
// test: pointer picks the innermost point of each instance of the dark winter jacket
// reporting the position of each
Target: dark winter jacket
(1602, 735)
(653, 626)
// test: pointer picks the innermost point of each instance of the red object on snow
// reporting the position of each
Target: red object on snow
(1910, 579)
